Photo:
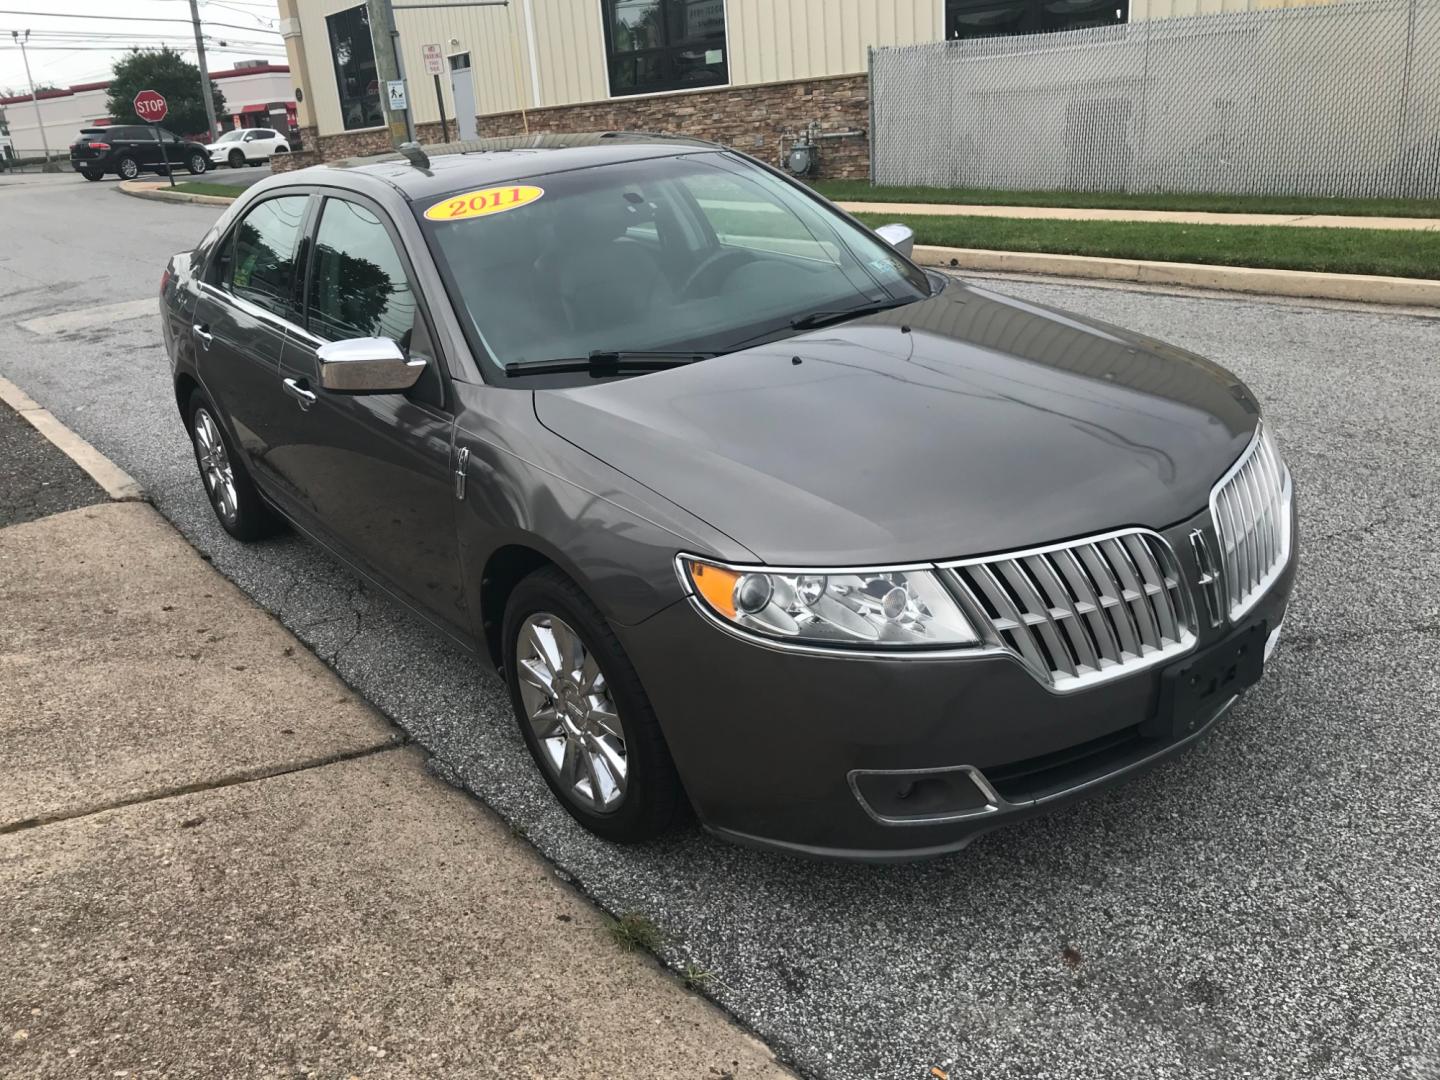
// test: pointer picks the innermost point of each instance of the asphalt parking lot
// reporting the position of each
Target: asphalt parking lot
(1262, 907)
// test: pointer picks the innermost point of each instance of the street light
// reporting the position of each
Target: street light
(39, 120)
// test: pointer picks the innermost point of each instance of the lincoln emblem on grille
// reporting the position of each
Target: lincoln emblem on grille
(1209, 580)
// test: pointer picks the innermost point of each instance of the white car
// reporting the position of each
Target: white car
(247, 146)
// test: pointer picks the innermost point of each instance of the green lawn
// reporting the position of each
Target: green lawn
(200, 187)
(1340, 251)
(860, 191)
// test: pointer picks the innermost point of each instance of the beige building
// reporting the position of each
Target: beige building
(756, 74)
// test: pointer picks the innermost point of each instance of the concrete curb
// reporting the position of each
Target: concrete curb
(146, 189)
(115, 481)
(1362, 288)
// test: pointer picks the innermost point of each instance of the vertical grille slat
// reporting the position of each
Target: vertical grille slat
(1084, 611)
(1251, 511)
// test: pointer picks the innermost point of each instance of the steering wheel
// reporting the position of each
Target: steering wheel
(706, 278)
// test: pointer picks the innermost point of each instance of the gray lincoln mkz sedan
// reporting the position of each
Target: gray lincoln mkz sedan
(750, 512)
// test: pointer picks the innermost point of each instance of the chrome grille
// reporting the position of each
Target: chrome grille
(1251, 509)
(1085, 611)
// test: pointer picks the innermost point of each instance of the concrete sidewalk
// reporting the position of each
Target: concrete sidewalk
(216, 861)
(1174, 217)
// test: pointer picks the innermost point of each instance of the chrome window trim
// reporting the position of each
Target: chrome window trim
(253, 309)
(1237, 610)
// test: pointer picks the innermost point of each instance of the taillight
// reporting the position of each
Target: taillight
(164, 280)
(98, 145)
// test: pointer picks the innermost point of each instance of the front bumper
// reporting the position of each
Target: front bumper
(811, 752)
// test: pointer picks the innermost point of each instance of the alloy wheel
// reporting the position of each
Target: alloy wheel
(129, 170)
(215, 466)
(571, 712)
(197, 163)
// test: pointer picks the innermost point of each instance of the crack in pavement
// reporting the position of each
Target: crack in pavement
(245, 776)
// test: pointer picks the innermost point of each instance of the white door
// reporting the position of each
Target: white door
(463, 88)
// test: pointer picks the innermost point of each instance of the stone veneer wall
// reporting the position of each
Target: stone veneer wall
(753, 119)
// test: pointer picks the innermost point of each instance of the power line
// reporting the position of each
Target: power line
(135, 18)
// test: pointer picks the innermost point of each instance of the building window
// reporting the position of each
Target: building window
(994, 18)
(656, 45)
(356, 79)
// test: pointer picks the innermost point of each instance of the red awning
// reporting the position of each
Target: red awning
(255, 108)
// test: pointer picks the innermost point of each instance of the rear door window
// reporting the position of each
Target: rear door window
(261, 263)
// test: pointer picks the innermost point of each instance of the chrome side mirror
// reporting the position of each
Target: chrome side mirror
(367, 365)
(900, 237)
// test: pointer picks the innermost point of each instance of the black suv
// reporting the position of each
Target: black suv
(128, 151)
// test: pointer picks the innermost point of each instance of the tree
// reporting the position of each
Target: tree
(168, 72)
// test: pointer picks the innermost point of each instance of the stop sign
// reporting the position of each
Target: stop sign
(150, 106)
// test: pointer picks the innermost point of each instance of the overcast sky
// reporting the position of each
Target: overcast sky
(67, 50)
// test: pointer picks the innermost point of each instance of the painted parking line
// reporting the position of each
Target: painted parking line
(90, 317)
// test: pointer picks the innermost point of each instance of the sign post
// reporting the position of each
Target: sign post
(151, 107)
(435, 65)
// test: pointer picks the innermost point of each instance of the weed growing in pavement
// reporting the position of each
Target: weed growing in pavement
(633, 932)
(695, 977)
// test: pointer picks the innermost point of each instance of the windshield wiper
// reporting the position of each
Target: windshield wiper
(606, 361)
(817, 319)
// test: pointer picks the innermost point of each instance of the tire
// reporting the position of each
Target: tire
(197, 163)
(128, 168)
(91, 174)
(650, 793)
(236, 159)
(232, 493)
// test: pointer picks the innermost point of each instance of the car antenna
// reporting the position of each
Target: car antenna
(415, 155)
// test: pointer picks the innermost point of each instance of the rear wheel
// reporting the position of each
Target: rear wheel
(584, 714)
(197, 163)
(128, 168)
(233, 496)
(91, 174)
(236, 159)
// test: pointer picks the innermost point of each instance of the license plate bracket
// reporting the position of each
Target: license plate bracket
(1191, 693)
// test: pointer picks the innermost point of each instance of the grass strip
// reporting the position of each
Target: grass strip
(860, 191)
(1334, 251)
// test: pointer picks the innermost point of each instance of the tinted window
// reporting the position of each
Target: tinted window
(358, 286)
(261, 133)
(665, 44)
(995, 18)
(262, 263)
(356, 79)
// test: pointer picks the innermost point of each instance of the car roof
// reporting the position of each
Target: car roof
(479, 162)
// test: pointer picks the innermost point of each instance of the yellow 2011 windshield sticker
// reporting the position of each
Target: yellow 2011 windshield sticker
(483, 203)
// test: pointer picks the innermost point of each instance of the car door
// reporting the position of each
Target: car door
(260, 144)
(249, 300)
(374, 471)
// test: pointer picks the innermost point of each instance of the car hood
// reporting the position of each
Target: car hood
(960, 425)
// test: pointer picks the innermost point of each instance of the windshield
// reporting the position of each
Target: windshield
(231, 136)
(702, 253)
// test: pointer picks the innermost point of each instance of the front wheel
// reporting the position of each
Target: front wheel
(128, 168)
(233, 495)
(584, 714)
(197, 164)
(236, 159)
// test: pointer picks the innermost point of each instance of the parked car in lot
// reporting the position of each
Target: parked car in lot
(748, 510)
(247, 146)
(128, 150)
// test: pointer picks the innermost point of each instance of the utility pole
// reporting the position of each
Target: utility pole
(388, 65)
(34, 100)
(204, 71)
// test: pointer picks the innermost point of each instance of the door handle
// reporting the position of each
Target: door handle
(202, 331)
(297, 390)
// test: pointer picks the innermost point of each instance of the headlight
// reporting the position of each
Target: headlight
(880, 608)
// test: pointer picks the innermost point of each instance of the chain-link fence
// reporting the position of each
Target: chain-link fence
(1340, 99)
